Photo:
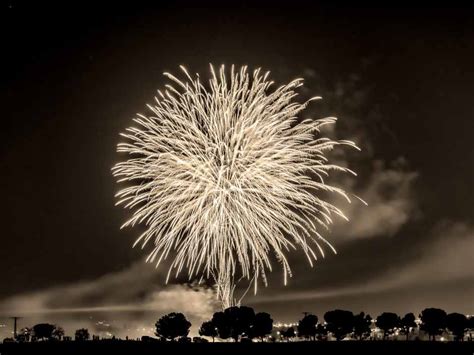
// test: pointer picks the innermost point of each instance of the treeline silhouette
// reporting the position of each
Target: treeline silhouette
(243, 324)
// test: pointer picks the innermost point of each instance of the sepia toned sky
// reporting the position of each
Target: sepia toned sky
(399, 79)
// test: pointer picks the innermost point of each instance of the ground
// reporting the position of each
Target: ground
(346, 347)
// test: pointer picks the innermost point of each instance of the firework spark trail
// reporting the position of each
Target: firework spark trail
(225, 176)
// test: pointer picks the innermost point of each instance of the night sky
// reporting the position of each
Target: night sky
(401, 81)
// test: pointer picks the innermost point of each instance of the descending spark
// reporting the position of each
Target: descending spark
(225, 177)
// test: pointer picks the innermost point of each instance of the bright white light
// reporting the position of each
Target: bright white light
(224, 176)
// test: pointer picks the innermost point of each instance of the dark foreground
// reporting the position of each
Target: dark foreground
(346, 347)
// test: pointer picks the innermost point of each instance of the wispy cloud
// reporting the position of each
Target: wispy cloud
(445, 259)
(388, 186)
(139, 287)
(135, 297)
(391, 203)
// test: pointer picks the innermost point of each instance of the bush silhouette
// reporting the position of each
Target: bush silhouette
(24, 335)
(81, 334)
(470, 326)
(58, 333)
(288, 333)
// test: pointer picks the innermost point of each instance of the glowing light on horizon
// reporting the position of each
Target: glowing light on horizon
(225, 176)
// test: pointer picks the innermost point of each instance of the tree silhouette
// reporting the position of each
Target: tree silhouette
(288, 333)
(81, 334)
(339, 323)
(234, 322)
(387, 321)
(172, 325)
(321, 332)
(407, 323)
(433, 321)
(362, 324)
(262, 325)
(457, 323)
(208, 329)
(307, 326)
(222, 325)
(58, 333)
(43, 331)
(240, 320)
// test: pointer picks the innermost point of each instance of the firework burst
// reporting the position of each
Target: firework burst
(227, 178)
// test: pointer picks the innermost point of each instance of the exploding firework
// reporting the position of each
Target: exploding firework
(227, 178)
